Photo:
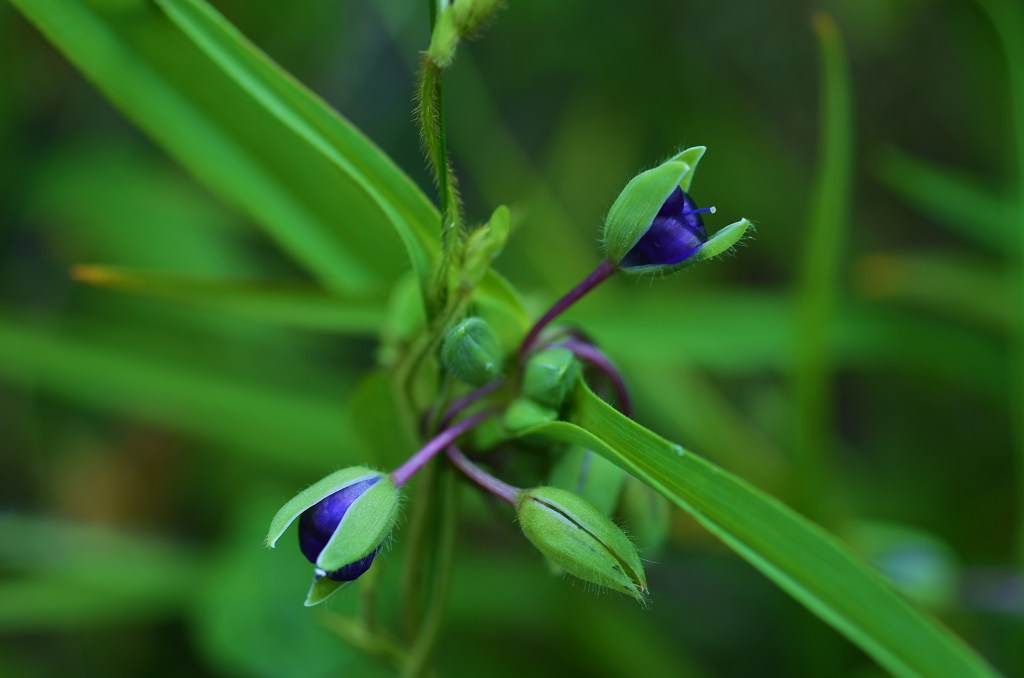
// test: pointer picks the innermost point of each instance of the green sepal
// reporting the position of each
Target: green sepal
(311, 495)
(472, 352)
(523, 413)
(550, 376)
(457, 20)
(364, 527)
(323, 588)
(591, 476)
(721, 241)
(578, 538)
(470, 15)
(717, 244)
(634, 210)
(648, 516)
(485, 244)
(444, 39)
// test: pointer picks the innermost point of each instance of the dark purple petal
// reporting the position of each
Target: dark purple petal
(318, 523)
(353, 571)
(676, 233)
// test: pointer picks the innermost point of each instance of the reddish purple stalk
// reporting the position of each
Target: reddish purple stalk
(442, 440)
(603, 271)
(498, 488)
(468, 399)
(593, 356)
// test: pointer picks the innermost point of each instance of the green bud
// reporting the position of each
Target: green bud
(578, 538)
(647, 515)
(472, 352)
(484, 244)
(550, 376)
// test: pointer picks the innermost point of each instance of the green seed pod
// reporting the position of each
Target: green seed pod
(550, 376)
(472, 352)
(574, 535)
(654, 225)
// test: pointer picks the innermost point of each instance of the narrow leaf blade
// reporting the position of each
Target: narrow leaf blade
(797, 555)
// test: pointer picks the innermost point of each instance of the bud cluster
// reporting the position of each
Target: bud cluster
(345, 519)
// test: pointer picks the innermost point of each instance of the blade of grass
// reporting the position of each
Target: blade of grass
(164, 83)
(408, 211)
(740, 333)
(963, 288)
(290, 428)
(1007, 18)
(962, 206)
(101, 576)
(800, 557)
(293, 306)
(818, 284)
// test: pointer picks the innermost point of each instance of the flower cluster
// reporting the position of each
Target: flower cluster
(345, 519)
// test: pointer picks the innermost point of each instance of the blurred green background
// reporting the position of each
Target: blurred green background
(144, 445)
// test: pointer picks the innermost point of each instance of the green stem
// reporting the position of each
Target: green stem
(418, 542)
(373, 642)
(443, 551)
(818, 287)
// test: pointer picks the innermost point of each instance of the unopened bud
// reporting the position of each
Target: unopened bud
(550, 376)
(578, 538)
(343, 521)
(472, 352)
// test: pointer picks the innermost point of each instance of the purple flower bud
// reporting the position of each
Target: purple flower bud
(676, 234)
(319, 522)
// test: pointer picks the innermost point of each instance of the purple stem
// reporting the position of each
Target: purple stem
(442, 440)
(603, 271)
(468, 399)
(593, 356)
(498, 488)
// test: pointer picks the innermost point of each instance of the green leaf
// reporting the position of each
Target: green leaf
(318, 187)
(735, 333)
(296, 428)
(406, 208)
(962, 205)
(80, 576)
(804, 560)
(963, 288)
(821, 269)
(591, 476)
(290, 305)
